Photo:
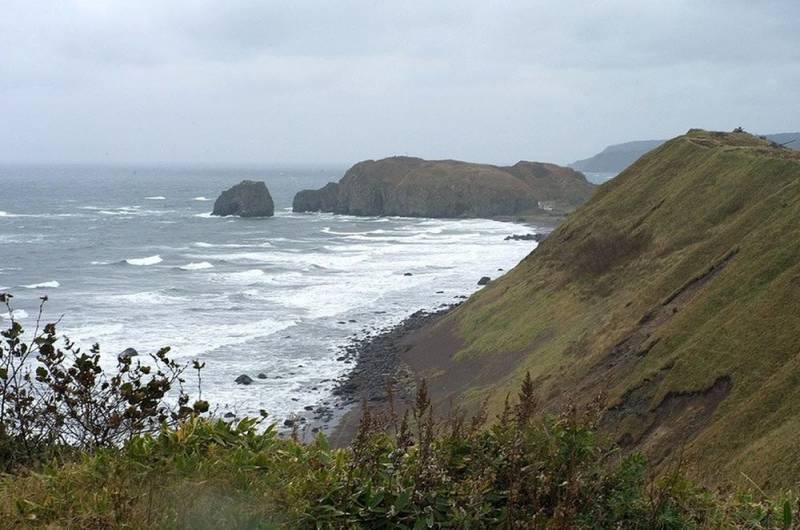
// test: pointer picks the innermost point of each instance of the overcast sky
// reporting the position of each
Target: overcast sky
(340, 81)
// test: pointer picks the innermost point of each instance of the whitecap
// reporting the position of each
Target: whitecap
(51, 284)
(196, 266)
(203, 215)
(147, 298)
(156, 198)
(38, 215)
(18, 314)
(247, 276)
(203, 244)
(201, 199)
(258, 257)
(150, 260)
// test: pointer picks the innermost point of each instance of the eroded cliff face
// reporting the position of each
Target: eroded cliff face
(414, 187)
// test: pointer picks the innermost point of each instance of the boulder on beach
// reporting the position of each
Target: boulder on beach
(246, 199)
(127, 353)
(484, 280)
(243, 379)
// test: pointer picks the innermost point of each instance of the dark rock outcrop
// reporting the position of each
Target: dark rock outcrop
(244, 379)
(414, 187)
(484, 280)
(525, 237)
(246, 199)
(321, 200)
(127, 353)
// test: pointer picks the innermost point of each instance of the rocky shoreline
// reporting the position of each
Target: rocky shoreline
(376, 363)
(375, 357)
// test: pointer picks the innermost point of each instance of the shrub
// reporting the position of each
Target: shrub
(55, 397)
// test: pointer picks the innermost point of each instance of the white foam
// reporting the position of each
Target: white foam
(201, 199)
(156, 198)
(231, 315)
(150, 260)
(244, 277)
(37, 215)
(124, 210)
(129, 211)
(203, 215)
(202, 244)
(259, 257)
(49, 285)
(196, 266)
(18, 314)
(147, 298)
(187, 339)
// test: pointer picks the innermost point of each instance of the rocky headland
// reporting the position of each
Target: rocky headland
(413, 187)
(246, 199)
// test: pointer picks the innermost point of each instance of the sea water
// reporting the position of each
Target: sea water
(131, 257)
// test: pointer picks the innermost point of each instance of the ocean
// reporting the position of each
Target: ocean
(131, 257)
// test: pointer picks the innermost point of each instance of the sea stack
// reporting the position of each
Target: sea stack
(246, 199)
(413, 187)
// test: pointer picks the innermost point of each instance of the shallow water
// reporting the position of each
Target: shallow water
(132, 258)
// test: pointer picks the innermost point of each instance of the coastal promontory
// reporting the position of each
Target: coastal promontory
(413, 187)
(246, 199)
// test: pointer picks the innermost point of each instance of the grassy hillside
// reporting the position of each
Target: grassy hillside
(617, 157)
(675, 291)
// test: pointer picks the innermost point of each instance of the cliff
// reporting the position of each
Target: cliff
(413, 187)
(674, 292)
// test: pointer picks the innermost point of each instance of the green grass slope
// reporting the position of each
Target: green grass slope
(675, 291)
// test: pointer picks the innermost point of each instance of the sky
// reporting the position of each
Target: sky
(237, 81)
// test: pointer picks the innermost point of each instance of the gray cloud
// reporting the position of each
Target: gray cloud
(340, 81)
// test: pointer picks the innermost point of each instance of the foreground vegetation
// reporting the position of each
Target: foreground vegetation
(516, 474)
(87, 448)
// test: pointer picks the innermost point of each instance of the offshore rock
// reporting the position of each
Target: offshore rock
(246, 199)
(413, 187)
